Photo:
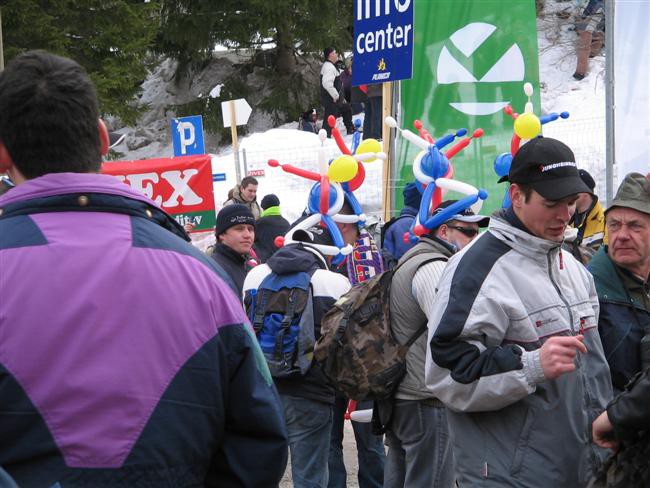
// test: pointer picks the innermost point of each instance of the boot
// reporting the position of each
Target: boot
(583, 49)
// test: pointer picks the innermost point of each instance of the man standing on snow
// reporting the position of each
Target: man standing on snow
(331, 93)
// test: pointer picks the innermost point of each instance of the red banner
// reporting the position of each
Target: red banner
(181, 186)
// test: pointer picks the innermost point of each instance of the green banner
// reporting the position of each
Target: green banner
(471, 58)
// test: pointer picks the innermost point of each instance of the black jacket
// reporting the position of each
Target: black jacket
(234, 264)
(266, 230)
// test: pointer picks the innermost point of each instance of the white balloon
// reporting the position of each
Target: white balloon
(391, 122)
(417, 169)
(528, 89)
(364, 416)
(415, 139)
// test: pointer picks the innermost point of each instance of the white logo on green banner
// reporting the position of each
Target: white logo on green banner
(468, 39)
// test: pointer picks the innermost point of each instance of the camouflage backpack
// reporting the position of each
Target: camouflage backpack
(357, 350)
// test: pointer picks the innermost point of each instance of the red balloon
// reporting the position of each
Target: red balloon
(436, 199)
(514, 144)
(273, 163)
(339, 140)
(310, 175)
(278, 241)
(331, 121)
(324, 194)
(419, 230)
(356, 182)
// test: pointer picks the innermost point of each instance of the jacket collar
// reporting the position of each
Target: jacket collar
(520, 239)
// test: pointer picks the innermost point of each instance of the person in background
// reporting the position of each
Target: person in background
(127, 360)
(245, 194)
(308, 121)
(393, 244)
(419, 450)
(372, 122)
(514, 351)
(588, 231)
(270, 225)
(621, 271)
(591, 36)
(235, 231)
(331, 93)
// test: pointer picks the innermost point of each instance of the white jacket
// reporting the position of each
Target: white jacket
(497, 302)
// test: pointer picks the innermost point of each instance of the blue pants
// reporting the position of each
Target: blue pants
(370, 450)
(309, 424)
(419, 450)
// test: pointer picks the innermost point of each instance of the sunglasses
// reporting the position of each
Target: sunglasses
(468, 231)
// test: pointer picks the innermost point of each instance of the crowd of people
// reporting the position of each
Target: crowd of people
(131, 358)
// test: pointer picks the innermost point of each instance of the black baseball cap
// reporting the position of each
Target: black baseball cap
(549, 166)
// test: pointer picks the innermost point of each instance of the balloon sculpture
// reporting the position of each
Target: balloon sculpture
(334, 185)
(526, 127)
(434, 173)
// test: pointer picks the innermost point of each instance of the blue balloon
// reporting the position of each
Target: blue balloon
(445, 214)
(425, 203)
(336, 236)
(502, 164)
(313, 202)
(354, 205)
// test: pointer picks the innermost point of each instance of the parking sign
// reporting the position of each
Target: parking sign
(187, 136)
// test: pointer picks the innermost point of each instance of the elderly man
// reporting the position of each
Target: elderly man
(621, 271)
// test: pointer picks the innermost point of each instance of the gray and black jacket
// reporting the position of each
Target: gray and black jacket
(497, 302)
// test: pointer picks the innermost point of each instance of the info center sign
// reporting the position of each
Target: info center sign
(383, 41)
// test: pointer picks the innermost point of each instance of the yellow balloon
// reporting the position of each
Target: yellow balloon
(369, 146)
(527, 126)
(343, 169)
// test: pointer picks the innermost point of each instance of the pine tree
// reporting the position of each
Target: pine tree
(111, 39)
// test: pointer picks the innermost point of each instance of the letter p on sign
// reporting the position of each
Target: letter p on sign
(187, 136)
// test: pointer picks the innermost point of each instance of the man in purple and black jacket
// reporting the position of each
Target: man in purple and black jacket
(125, 358)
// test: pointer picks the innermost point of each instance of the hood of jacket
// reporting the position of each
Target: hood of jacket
(294, 258)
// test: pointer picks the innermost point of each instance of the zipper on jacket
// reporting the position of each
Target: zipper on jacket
(557, 288)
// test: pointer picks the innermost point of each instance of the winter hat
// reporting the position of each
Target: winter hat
(233, 215)
(327, 51)
(412, 196)
(270, 200)
(587, 178)
(549, 166)
(633, 193)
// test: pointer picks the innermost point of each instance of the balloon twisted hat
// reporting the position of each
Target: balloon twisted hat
(335, 182)
(433, 172)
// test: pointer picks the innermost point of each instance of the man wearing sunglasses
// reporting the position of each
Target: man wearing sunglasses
(419, 451)
(514, 351)
(462, 228)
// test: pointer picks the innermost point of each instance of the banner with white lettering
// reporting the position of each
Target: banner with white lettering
(182, 186)
(383, 41)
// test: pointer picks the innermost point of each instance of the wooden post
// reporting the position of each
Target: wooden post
(387, 107)
(235, 143)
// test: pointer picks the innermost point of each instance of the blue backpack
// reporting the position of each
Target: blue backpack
(281, 311)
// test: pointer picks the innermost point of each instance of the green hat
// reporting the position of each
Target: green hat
(633, 193)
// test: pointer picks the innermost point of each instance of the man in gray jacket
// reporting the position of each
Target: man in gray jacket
(419, 451)
(514, 347)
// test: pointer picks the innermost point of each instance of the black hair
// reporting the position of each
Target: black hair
(248, 180)
(49, 115)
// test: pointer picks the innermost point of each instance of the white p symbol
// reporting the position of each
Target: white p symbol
(186, 135)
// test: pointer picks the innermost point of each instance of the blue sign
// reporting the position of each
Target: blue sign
(383, 41)
(187, 136)
(219, 177)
